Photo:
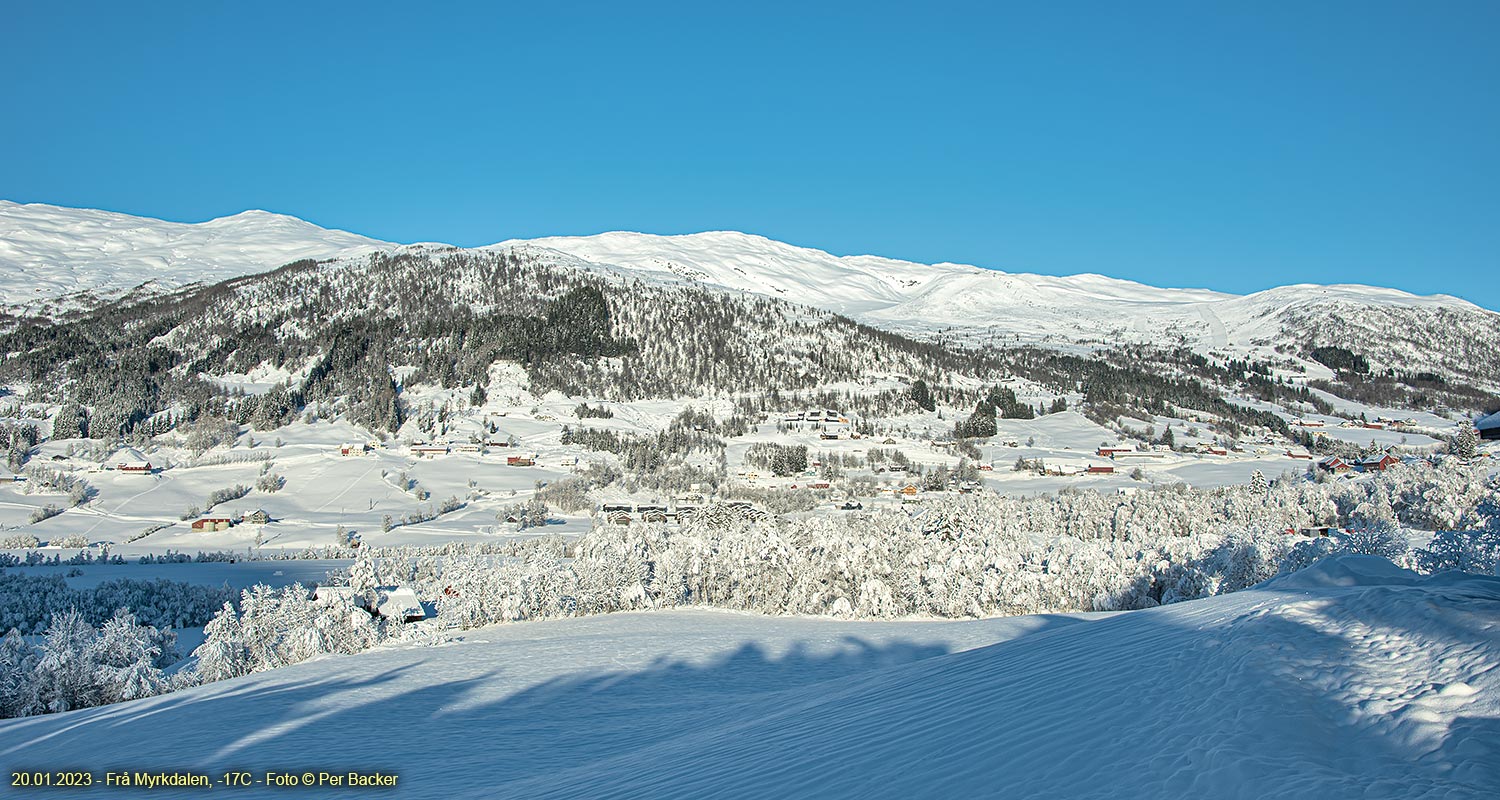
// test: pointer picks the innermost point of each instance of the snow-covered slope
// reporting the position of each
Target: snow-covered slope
(48, 251)
(1391, 328)
(1351, 679)
(916, 297)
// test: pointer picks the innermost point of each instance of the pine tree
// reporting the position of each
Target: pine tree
(1465, 443)
(922, 396)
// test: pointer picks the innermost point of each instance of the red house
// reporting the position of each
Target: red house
(1093, 470)
(1379, 463)
(212, 524)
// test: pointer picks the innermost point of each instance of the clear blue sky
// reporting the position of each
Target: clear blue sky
(1233, 145)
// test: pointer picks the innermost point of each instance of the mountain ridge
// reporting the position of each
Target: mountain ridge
(50, 252)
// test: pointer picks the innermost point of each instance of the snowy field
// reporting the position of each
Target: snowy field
(1351, 679)
(323, 491)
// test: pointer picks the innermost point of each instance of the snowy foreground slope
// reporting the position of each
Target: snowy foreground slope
(1350, 679)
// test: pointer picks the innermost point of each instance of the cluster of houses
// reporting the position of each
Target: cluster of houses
(436, 449)
(626, 513)
(256, 517)
(1131, 454)
(1378, 462)
(1379, 424)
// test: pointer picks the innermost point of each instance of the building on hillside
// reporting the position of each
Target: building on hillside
(429, 450)
(212, 524)
(256, 517)
(1334, 464)
(1097, 470)
(1303, 456)
(1111, 452)
(1489, 427)
(1379, 462)
(520, 461)
(391, 602)
(653, 513)
(470, 447)
(616, 513)
(357, 449)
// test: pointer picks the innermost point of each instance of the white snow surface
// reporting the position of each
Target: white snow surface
(1351, 679)
(49, 251)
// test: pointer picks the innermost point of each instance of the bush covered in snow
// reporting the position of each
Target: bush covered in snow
(77, 665)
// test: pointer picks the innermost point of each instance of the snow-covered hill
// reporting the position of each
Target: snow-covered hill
(1350, 679)
(914, 297)
(49, 251)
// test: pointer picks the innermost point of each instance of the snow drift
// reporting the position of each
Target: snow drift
(1350, 679)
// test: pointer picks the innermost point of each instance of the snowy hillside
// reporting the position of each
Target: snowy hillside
(1350, 679)
(910, 296)
(49, 251)
(1395, 329)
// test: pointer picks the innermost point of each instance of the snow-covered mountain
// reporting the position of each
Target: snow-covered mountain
(50, 251)
(916, 297)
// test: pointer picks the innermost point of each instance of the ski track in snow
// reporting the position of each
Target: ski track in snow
(1352, 679)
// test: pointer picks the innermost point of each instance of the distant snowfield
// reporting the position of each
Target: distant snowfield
(1351, 679)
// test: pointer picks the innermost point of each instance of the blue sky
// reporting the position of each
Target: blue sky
(1230, 145)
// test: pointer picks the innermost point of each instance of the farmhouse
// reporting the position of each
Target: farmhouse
(212, 524)
(1489, 427)
(1303, 456)
(617, 514)
(1093, 470)
(429, 450)
(256, 517)
(1377, 463)
(1334, 464)
(391, 602)
(652, 513)
(469, 447)
(1111, 452)
(354, 449)
(520, 461)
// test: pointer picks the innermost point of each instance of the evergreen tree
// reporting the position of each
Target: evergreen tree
(922, 396)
